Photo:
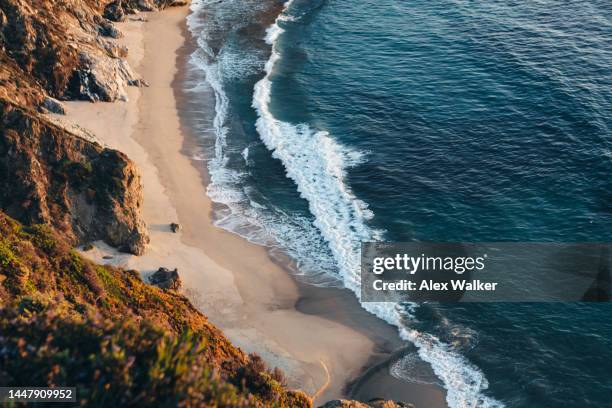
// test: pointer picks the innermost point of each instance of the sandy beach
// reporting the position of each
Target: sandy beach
(320, 337)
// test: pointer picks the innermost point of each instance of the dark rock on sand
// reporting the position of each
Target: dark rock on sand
(174, 227)
(114, 11)
(53, 105)
(166, 279)
(140, 83)
(108, 29)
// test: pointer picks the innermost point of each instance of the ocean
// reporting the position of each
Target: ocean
(341, 122)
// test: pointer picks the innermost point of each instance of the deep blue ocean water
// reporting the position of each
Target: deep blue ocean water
(424, 120)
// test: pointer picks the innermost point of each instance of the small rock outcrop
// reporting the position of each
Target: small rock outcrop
(107, 29)
(114, 11)
(52, 105)
(101, 78)
(140, 83)
(174, 227)
(166, 279)
(374, 403)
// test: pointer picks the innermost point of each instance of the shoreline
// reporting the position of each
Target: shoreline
(321, 338)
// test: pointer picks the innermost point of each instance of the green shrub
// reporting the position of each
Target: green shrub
(42, 236)
(112, 364)
(7, 257)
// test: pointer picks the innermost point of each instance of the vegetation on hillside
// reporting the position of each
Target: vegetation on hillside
(65, 321)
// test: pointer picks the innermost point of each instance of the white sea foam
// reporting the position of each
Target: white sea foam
(317, 164)
(463, 381)
(410, 367)
(240, 212)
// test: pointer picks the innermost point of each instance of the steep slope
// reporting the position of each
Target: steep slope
(48, 175)
(66, 321)
(63, 319)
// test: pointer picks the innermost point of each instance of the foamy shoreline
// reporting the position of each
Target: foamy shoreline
(230, 280)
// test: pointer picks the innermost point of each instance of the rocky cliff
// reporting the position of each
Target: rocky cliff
(49, 174)
(65, 45)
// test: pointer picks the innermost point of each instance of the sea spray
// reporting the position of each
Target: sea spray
(317, 164)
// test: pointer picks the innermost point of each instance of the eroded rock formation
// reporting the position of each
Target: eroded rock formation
(64, 45)
(49, 175)
(165, 278)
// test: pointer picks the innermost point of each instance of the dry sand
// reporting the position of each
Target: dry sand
(319, 337)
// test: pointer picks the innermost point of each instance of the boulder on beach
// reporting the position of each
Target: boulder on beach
(52, 105)
(114, 11)
(107, 29)
(165, 278)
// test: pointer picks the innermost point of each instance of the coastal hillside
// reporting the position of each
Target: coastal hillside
(66, 321)
(50, 174)
(121, 342)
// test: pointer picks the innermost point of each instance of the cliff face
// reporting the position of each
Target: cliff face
(64, 45)
(56, 43)
(48, 175)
